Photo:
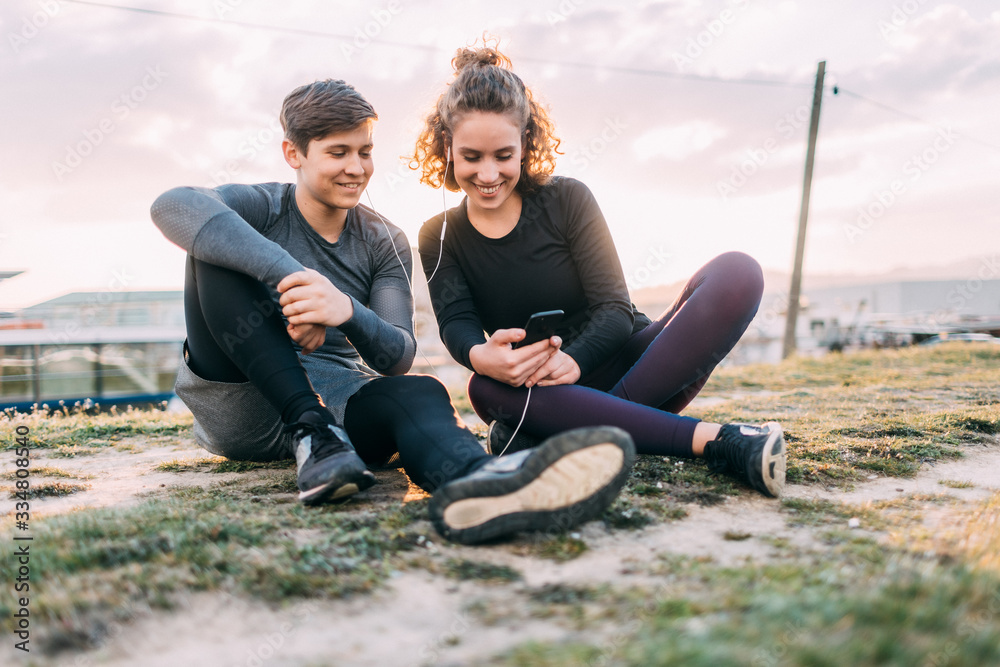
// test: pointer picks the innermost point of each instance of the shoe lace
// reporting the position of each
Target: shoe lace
(728, 452)
(325, 440)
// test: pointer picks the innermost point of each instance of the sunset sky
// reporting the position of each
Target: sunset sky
(688, 120)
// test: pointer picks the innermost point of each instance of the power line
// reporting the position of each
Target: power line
(243, 24)
(899, 112)
(635, 71)
(436, 49)
(666, 74)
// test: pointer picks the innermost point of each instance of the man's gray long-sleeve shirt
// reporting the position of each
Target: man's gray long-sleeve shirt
(259, 230)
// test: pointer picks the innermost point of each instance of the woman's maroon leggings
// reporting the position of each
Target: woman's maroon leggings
(655, 374)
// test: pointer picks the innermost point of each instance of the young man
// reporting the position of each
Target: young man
(300, 331)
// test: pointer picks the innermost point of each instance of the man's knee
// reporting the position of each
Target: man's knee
(416, 385)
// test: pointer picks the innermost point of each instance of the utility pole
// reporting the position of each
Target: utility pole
(788, 348)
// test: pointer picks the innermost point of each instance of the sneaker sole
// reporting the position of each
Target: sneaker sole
(331, 493)
(568, 480)
(774, 460)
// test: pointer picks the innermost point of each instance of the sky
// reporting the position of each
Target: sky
(688, 120)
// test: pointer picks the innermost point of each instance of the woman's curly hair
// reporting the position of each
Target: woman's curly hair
(485, 82)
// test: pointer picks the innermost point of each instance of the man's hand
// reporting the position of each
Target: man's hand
(496, 359)
(307, 336)
(308, 297)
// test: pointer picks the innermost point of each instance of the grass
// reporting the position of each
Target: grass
(877, 412)
(825, 512)
(192, 539)
(218, 464)
(789, 616)
(464, 569)
(48, 471)
(47, 490)
(914, 597)
(893, 592)
(74, 432)
(856, 603)
(559, 548)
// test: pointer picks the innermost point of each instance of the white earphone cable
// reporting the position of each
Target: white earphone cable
(514, 434)
(409, 279)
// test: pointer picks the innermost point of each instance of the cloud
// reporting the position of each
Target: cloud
(632, 137)
(677, 142)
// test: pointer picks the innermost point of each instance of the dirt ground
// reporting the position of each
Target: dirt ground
(422, 618)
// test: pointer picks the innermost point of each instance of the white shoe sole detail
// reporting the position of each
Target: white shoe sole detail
(569, 480)
(774, 483)
(345, 490)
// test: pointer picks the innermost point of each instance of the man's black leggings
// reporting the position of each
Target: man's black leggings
(411, 414)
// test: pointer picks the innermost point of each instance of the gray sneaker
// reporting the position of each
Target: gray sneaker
(754, 454)
(567, 480)
(329, 470)
(498, 440)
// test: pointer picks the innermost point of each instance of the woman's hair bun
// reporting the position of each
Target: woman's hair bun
(479, 57)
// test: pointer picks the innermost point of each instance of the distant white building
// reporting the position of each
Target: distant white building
(885, 313)
(162, 308)
(939, 300)
(103, 347)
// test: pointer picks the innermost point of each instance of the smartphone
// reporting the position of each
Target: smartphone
(540, 326)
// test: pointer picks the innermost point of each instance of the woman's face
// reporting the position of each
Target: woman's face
(486, 155)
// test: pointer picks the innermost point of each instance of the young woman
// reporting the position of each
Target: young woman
(523, 241)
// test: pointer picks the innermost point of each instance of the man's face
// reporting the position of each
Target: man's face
(336, 169)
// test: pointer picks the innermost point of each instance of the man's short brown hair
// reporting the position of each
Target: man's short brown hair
(318, 109)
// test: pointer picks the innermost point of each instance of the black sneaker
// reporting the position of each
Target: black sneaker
(328, 467)
(755, 454)
(498, 440)
(567, 480)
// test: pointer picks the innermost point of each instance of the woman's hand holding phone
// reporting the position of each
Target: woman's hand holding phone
(496, 359)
